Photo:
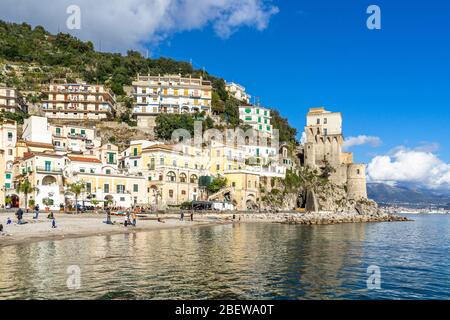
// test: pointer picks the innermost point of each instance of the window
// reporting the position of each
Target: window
(8, 185)
(58, 131)
(233, 184)
(108, 171)
(135, 163)
(171, 177)
(325, 131)
(193, 179)
(10, 152)
(135, 152)
(8, 176)
(325, 121)
(171, 193)
(358, 171)
(88, 187)
(106, 188)
(135, 188)
(122, 199)
(10, 136)
(92, 170)
(217, 167)
(120, 188)
(183, 192)
(161, 161)
(82, 170)
(111, 158)
(248, 118)
(318, 121)
(83, 132)
(183, 178)
(174, 163)
(72, 131)
(248, 110)
(48, 165)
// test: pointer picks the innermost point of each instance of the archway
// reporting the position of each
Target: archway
(48, 181)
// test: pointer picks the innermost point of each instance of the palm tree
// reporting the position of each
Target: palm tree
(76, 188)
(26, 188)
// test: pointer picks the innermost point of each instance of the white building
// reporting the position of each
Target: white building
(36, 129)
(330, 122)
(8, 139)
(257, 117)
(171, 94)
(11, 100)
(237, 91)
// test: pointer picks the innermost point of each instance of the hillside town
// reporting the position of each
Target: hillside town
(55, 150)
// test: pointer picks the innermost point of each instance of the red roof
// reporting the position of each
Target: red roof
(83, 159)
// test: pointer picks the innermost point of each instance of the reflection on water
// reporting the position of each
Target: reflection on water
(241, 261)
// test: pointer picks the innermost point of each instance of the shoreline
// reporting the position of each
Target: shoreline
(70, 226)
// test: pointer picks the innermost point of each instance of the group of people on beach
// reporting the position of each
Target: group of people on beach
(130, 214)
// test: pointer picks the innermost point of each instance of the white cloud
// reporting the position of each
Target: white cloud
(129, 24)
(362, 140)
(420, 168)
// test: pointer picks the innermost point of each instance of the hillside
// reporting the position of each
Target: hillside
(401, 195)
(32, 57)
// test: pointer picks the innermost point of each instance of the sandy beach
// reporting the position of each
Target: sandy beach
(83, 225)
(92, 224)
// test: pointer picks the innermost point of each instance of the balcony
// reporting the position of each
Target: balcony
(48, 170)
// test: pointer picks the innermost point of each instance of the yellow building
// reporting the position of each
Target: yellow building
(172, 174)
(244, 188)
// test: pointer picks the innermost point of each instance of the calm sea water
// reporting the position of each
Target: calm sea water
(246, 261)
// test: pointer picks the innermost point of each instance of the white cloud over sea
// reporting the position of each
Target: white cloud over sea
(122, 25)
(419, 167)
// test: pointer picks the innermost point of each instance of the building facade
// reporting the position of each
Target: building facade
(78, 102)
(170, 94)
(11, 100)
(237, 91)
(257, 117)
(323, 147)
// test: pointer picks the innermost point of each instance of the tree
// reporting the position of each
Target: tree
(217, 184)
(26, 188)
(76, 188)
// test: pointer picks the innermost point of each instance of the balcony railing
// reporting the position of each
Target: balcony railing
(48, 170)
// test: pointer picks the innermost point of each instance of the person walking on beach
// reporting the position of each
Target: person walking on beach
(53, 223)
(36, 211)
(108, 216)
(182, 216)
(19, 215)
(134, 217)
(192, 216)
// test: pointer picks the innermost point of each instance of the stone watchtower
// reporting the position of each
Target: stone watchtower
(356, 181)
(323, 146)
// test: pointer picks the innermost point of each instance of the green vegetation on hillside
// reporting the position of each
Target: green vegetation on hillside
(43, 57)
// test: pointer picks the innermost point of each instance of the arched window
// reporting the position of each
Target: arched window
(171, 177)
(194, 179)
(183, 178)
(358, 171)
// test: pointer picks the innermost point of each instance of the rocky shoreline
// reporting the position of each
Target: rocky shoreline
(318, 218)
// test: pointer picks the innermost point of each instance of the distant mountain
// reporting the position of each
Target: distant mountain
(406, 196)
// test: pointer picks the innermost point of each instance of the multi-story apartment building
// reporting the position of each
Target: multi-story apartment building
(8, 139)
(257, 117)
(237, 91)
(75, 139)
(171, 94)
(76, 101)
(11, 100)
(173, 174)
(131, 158)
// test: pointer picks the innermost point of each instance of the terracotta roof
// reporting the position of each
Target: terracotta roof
(39, 144)
(83, 159)
(160, 146)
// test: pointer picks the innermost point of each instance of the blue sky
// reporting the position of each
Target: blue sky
(392, 83)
